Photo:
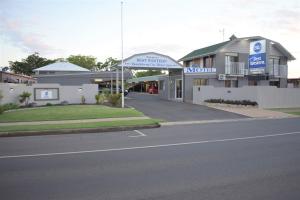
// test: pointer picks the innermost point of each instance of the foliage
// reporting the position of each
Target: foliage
(88, 62)
(26, 66)
(106, 92)
(148, 73)
(24, 97)
(100, 98)
(10, 106)
(233, 102)
(2, 109)
(107, 64)
(1, 95)
(83, 99)
(115, 99)
(49, 104)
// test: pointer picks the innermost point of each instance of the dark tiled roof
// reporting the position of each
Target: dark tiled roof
(203, 51)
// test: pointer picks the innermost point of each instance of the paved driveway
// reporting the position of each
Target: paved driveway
(153, 106)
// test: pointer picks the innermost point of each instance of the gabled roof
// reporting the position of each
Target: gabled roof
(62, 66)
(204, 51)
(214, 48)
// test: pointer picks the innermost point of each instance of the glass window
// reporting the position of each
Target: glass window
(200, 81)
(227, 83)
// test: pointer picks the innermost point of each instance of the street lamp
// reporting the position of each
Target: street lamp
(122, 62)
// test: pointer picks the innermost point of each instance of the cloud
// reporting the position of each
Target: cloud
(13, 31)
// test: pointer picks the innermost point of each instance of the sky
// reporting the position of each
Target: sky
(59, 28)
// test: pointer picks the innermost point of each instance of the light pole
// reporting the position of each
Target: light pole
(122, 63)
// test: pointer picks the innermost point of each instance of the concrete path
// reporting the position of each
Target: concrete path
(72, 121)
(254, 112)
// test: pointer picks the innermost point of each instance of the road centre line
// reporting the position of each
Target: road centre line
(148, 147)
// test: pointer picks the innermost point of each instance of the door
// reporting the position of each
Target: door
(178, 89)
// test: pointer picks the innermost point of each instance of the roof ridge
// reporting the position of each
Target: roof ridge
(205, 50)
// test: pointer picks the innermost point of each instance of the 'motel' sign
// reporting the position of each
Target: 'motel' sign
(257, 57)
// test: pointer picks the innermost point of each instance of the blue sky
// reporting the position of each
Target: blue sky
(59, 28)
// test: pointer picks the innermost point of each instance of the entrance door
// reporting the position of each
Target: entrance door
(178, 89)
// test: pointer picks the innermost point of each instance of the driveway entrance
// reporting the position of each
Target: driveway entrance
(153, 106)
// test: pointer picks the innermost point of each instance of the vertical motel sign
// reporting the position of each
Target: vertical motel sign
(257, 57)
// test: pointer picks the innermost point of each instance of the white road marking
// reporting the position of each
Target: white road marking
(148, 147)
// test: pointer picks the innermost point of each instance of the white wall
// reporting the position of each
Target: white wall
(72, 94)
(265, 96)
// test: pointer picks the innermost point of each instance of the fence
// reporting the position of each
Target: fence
(42, 94)
(265, 96)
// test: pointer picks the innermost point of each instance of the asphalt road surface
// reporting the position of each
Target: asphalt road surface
(153, 106)
(257, 159)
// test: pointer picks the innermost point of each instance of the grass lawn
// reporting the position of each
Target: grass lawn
(293, 111)
(127, 123)
(67, 113)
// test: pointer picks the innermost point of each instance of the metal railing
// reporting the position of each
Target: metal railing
(236, 69)
(278, 71)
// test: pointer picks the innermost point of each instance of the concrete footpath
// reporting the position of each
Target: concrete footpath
(253, 112)
(73, 121)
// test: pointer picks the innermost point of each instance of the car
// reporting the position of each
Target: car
(153, 90)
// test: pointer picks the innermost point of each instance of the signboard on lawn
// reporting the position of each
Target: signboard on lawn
(257, 57)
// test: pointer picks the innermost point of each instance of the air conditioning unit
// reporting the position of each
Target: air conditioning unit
(222, 77)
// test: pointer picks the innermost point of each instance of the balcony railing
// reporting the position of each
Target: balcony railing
(278, 71)
(235, 69)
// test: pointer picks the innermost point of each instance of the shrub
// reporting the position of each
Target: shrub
(1, 95)
(233, 102)
(10, 106)
(49, 104)
(24, 97)
(106, 92)
(1, 109)
(82, 99)
(100, 98)
(115, 99)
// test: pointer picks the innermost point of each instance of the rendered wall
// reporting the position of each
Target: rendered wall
(265, 96)
(72, 94)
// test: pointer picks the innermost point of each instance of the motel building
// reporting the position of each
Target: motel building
(238, 62)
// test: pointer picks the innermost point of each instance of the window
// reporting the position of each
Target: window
(161, 85)
(208, 62)
(200, 81)
(252, 82)
(227, 83)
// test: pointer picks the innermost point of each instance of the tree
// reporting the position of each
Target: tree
(26, 66)
(148, 73)
(107, 64)
(24, 97)
(88, 62)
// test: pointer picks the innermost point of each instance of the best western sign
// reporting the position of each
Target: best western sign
(257, 57)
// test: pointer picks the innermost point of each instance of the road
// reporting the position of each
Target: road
(257, 159)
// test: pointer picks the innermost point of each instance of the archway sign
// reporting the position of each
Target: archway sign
(151, 60)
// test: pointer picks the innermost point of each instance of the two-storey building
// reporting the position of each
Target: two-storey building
(249, 61)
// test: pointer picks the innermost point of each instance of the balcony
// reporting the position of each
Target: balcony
(278, 71)
(235, 69)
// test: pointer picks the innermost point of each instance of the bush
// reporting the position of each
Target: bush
(49, 104)
(100, 98)
(232, 102)
(1, 95)
(82, 99)
(106, 92)
(115, 99)
(10, 106)
(1, 109)
(24, 97)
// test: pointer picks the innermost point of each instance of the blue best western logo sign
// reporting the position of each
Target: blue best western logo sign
(257, 57)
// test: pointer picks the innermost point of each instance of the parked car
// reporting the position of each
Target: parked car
(153, 90)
